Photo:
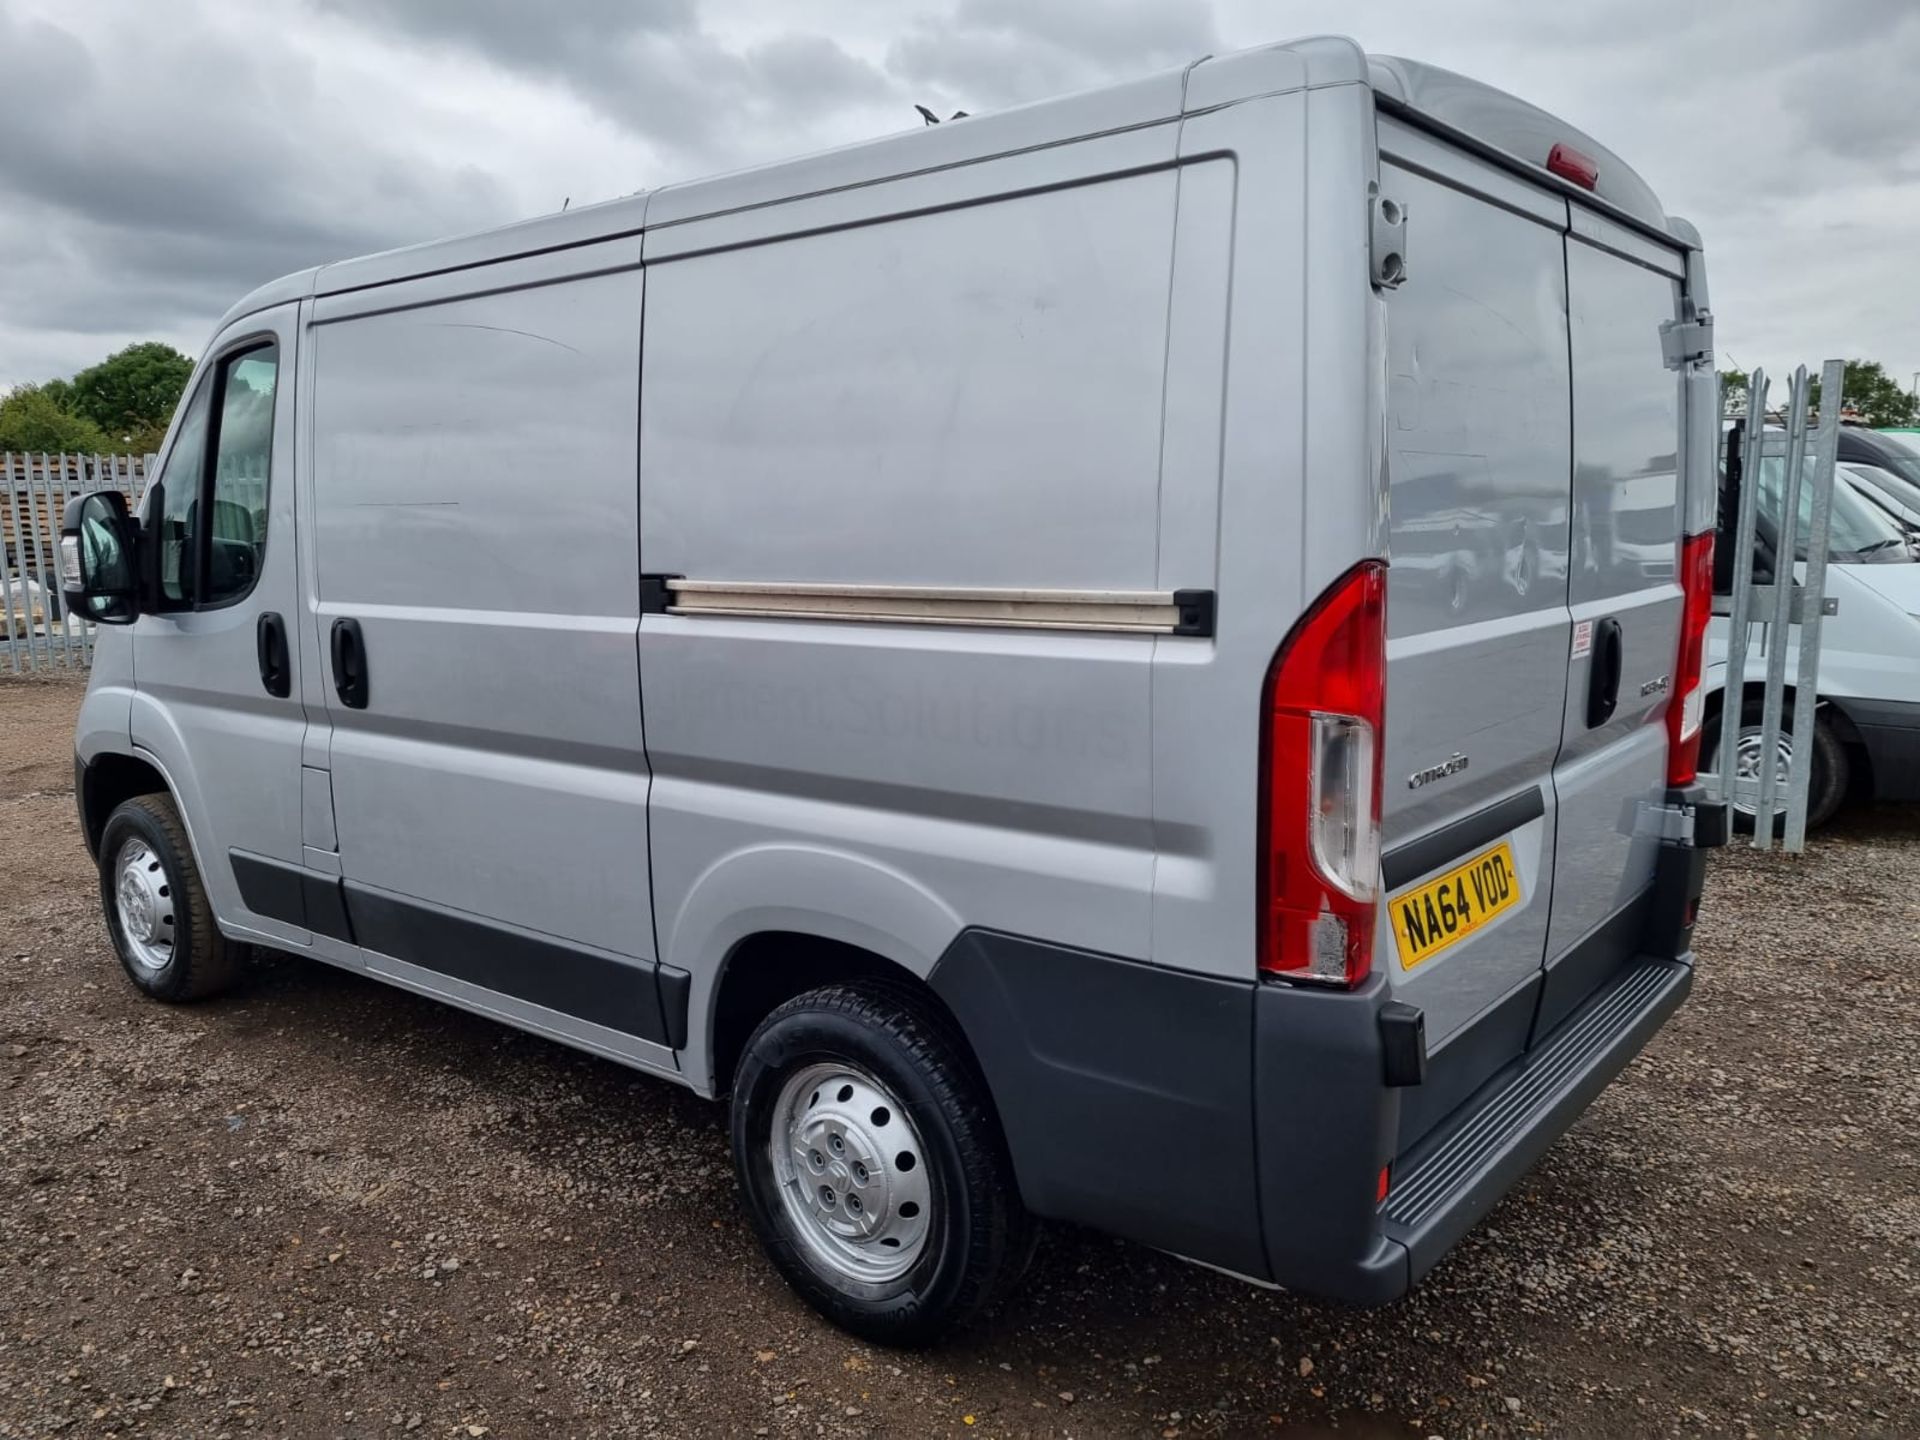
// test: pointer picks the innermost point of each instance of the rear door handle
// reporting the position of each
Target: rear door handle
(270, 648)
(1603, 672)
(349, 648)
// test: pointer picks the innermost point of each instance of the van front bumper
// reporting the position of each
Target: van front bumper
(1248, 1125)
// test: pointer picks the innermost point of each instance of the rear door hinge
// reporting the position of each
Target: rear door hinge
(1388, 240)
(1687, 342)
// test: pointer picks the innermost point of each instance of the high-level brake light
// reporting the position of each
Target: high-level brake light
(1570, 164)
(1324, 717)
(1686, 708)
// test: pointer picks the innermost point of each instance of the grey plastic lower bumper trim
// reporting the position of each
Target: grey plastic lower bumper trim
(1450, 1182)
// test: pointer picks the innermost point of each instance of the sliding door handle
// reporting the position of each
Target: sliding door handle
(349, 648)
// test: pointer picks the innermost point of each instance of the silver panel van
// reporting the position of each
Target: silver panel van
(1133, 661)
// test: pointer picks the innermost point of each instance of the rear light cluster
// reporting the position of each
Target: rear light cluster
(1324, 716)
(1688, 705)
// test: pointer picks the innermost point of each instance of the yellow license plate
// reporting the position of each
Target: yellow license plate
(1445, 911)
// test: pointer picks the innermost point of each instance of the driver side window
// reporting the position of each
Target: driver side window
(211, 528)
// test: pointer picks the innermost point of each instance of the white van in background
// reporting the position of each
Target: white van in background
(1867, 728)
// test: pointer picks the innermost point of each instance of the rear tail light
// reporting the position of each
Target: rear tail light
(1324, 714)
(1570, 164)
(1685, 710)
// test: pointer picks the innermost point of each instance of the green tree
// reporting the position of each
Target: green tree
(32, 419)
(1733, 390)
(132, 392)
(1875, 394)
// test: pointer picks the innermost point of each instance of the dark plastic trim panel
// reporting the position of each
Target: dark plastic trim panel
(87, 832)
(1890, 729)
(1277, 1100)
(635, 997)
(1597, 956)
(1494, 1039)
(292, 894)
(1435, 851)
(1448, 1187)
(616, 991)
(1125, 1090)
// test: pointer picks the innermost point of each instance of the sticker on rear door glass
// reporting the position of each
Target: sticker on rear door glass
(1442, 912)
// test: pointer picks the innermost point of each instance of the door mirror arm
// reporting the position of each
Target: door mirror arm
(100, 553)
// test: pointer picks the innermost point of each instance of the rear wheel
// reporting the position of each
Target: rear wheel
(157, 910)
(1826, 786)
(874, 1169)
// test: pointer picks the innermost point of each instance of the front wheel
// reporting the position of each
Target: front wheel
(157, 910)
(874, 1169)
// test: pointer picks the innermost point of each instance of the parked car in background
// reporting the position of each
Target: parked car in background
(1888, 473)
(1867, 725)
(27, 600)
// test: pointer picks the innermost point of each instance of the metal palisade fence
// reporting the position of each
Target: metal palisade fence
(36, 633)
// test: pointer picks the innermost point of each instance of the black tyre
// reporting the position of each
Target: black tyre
(874, 1168)
(1826, 786)
(157, 911)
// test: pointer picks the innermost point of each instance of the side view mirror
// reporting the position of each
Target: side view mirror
(99, 570)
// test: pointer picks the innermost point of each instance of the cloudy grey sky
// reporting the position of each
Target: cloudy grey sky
(159, 159)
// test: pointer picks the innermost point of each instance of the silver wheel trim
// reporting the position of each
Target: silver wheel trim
(143, 905)
(1746, 770)
(852, 1174)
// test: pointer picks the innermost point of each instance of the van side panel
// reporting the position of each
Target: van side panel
(1237, 427)
(963, 397)
(473, 474)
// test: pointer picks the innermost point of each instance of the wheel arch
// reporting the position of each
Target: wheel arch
(1834, 709)
(770, 967)
(763, 924)
(107, 782)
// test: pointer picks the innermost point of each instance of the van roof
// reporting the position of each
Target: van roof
(1514, 128)
(1510, 130)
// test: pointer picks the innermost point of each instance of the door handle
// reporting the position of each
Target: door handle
(1603, 672)
(349, 664)
(270, 649)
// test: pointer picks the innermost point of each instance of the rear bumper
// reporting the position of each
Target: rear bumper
(1451, 1179)
(1129, 1104)
(1890, 729)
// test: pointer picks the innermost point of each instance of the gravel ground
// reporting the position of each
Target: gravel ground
(325, 1207)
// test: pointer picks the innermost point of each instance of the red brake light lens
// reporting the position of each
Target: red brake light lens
(1686, 708)
(1325, 715)
(1569, 164)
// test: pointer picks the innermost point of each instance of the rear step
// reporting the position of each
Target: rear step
(1453, 1177)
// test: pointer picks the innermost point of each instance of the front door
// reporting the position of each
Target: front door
(218, 699)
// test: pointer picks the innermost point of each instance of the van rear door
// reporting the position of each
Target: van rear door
(1625, 596)
(1478, 455)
